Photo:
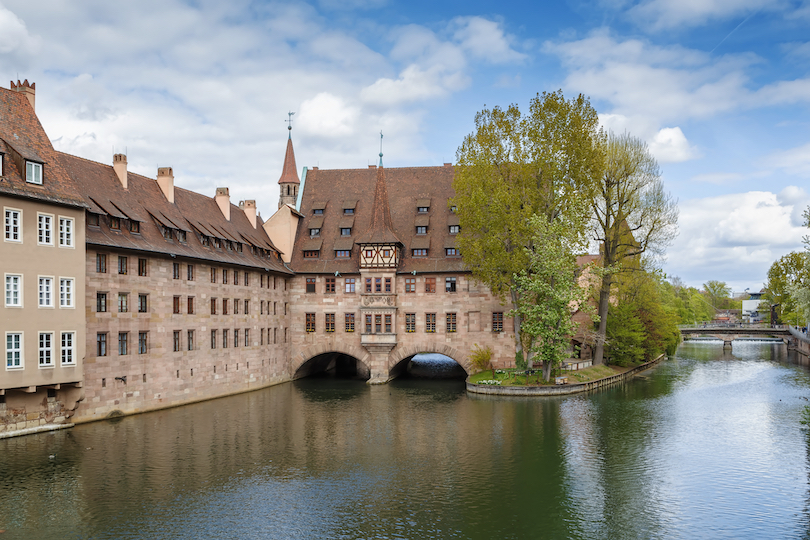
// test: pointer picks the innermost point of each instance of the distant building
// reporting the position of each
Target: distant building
(754, 309)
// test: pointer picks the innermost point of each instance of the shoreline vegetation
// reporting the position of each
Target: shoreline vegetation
(518, 377)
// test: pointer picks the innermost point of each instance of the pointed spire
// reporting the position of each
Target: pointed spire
(288, 173)
(381, 154)
(381, 230)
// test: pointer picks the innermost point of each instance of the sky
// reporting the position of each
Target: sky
(718, 89)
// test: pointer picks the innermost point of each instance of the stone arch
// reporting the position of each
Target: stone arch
(401, 353)
(329, 346)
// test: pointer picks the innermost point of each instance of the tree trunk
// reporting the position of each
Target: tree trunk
(546, 371)
(518, 343)
(604, 304)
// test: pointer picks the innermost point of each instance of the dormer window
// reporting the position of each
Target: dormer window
(343, 254)
(314, 232)
(451, 252)
(346, 231)
(454, 229)
(419, 252)
(92, 219)
(318, 211)
(421, 230)
(422, 209)
(33, 172)
(115, 223)
(454, 209)
(167, 233)
(312, 254)
(134, 227)
(348, 211)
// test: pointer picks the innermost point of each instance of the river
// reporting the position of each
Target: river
(706, 445)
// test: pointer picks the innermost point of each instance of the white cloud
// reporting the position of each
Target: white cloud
(485, 39)
(795, 161)
(16, 44)
(670, 146)
(661, 14)
(414, 84)
(326, 115)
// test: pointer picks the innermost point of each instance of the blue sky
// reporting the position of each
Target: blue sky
(719, 89)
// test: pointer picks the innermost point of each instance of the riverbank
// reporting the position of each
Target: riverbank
(562, 389)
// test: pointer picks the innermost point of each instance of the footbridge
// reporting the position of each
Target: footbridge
(729, 332)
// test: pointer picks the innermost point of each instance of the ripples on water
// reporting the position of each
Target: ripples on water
(707, 445)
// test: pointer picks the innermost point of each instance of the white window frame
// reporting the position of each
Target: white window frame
(19, 289)
(68, 348)
(20, 349)
(66, 232)
(45, 349)
(45, 291)
(67, 288)
(33, 172)
(44, 229)
(8, 234)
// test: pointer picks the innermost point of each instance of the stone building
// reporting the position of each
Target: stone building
(42, 320)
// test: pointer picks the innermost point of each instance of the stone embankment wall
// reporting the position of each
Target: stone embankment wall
(801, 344)
(563, 389)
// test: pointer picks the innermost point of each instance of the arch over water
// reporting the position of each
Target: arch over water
(399, 358)
(317, 358)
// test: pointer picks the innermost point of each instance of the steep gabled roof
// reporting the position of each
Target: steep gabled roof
(23, 138)
(381, 229)
(288, 173)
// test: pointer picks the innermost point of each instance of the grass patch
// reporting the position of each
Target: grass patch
(509, 377)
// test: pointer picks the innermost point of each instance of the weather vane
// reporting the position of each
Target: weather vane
(289, 121)
(381, 154)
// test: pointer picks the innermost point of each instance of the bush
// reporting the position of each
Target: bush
(480, 358)
(520, 362)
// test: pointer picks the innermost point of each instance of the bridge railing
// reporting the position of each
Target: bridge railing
(797, 333)
(743, 326)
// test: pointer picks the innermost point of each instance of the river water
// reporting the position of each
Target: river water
(706, 445)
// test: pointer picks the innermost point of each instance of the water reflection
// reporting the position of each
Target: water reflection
(706, 445)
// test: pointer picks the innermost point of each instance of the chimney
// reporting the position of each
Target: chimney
(223, 200)
(30, 90)
(120, 168)
(249, 208)
(165, 180)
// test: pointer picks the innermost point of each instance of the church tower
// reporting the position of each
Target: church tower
(288, 183)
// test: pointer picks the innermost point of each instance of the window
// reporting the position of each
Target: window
(314, 232)
(451, 252)
(345, 231)
(349, 285)
(213, 275)
(176, 340)
(45, 349)
(68, 349)
(450, 320)
(190, 339)
(422, 209)
(123, 338)
(312, 254)
(44, 229)
(386, 253)
(176, 304)
(430, 285)
(368, 284)
(213, 306)
(497, 322)
(329, 322)
(349, 322)
(343, 254)
(377, 285)
(261, 307)
(388, 319)
(224, 339)
(247, 337)
(141, 267)
(261, 337)
(122, 302)
(101, 302)
(236, 338)
(369, 253)
(224, 276)
(422, 229)
(368, 323)
(224, 306)
(142, 342)
(65, 232)
(348, 211)
(450, 284)
(236, 277)
(410, 285)
(247, 307)
(101, 263)
(454, 209)
(176, 270)
(190, 272)
(134, 227)
(430, 323)
(14, 352)
(330, 285)
(454, 229)
(92, 219)
(33, 172)
(236, 306)
(388, 284)
(317, 211)
(181, 236)
(410, 322)
(310, 322)
(13, 225)
(45, 292)
(190, 304)
(115, 223)
(13, 290)
(101, 344)
(247, 279)
(377, 324)
(122, 265)
(310, 284)
(142, 306)
(213, 339)
(419, 252)
(66, 292)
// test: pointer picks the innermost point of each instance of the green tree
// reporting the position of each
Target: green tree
(791, 269)
(633, 214)
(717, 291)
(625, 336)
(550, 289)
(513, 167)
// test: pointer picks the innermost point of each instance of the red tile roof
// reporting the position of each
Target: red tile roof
(288, 173)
